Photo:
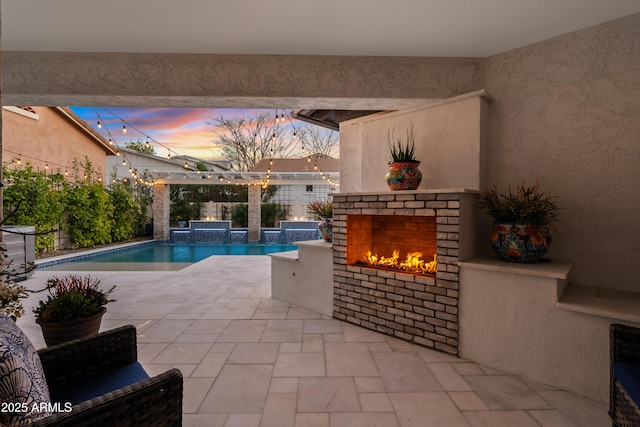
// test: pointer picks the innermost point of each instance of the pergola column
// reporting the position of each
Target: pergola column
(161, 206)
(254, 203)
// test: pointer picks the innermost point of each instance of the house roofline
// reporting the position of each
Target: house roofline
(83, 126)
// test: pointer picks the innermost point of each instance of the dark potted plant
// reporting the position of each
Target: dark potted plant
(323, 211)
(403, 169)
(523, 220)
(73, 309)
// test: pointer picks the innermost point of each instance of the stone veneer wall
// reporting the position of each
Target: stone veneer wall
(416, 308)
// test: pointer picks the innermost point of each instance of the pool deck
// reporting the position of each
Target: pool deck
(253, 361)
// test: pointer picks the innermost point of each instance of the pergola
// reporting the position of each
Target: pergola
(253, 180)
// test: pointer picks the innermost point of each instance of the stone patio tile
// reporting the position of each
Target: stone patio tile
(279, 411)
(283, 331)
(349, 360)
(238, 389)
(205, 420)
(375, 402)
(255, 353)
(312, 343)
(283, 385)
(312, 420)
(356, 334)
(550, 418)
(164, 331)
(327, 395)
(241, 334)
(366, 419)
(448, 377)
(466, 368)
(299, 365)
(405, 372)
(207, 327)
(302, 314)
(433, 409)
(505, 393)
(183, 353)
(228, 313)
(369, 385)
(581, 411)
(429, 355)
(243, 420)
(327, 326)
(211, 365)
(500, 419)
(467, 401)
(195, 389)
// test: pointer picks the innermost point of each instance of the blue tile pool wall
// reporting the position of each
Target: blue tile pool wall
(297, 231)
(221, 232)
(84, 257)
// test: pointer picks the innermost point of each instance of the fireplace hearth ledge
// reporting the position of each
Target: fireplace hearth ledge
(409, 192)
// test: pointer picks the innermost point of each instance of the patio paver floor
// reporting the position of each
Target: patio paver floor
(252, 361)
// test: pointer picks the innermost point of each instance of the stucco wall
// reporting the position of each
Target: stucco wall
(567, 113)
(448, 144)
(51, 139)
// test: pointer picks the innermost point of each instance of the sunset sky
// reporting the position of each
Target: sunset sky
(186, 131)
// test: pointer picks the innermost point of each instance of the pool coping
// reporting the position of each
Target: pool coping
(85, 255)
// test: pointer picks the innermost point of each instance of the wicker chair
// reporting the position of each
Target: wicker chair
(625, 347)
(155, 401)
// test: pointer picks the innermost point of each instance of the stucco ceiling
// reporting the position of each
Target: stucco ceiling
(476, 28)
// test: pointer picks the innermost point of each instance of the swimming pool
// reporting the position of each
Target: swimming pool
(158, 256)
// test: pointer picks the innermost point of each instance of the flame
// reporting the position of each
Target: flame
(413, 262)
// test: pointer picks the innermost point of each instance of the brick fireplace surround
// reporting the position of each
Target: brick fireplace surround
(420, 309)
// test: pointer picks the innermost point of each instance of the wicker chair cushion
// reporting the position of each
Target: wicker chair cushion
(629, 376)
(100, 384)
(22, 381)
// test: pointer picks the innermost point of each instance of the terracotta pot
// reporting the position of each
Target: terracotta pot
(520, 243)
(404, 176)
(67, 330)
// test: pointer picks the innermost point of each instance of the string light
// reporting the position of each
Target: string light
(124, 129)
(99, 125)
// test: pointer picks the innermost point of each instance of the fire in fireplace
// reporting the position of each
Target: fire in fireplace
(395, 242)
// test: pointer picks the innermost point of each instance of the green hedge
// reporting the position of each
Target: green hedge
(91, 213)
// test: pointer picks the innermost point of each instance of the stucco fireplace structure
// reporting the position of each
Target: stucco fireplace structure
(419, 306)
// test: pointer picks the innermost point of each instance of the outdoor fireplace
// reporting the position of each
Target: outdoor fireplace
(404, 243)
(417, 305)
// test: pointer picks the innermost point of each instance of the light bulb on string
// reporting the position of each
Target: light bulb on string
(99, 125)
(124, 163)
(124, 129)
(118, 153)
(19, 161)
(147, 145)
(111, 142)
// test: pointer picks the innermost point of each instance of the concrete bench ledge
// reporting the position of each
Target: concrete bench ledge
(609, 303)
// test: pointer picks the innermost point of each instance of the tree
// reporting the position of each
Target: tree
(317, 140)
(142, 147)
(245, 141)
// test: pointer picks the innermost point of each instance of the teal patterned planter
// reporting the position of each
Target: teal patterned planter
(404, 176)
(520, 243)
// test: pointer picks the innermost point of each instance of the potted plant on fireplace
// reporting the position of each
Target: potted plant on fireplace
(73, 309)
(523, 219)
(323, 211)
(403, 169)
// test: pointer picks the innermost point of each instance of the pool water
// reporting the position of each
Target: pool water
(162, 256)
